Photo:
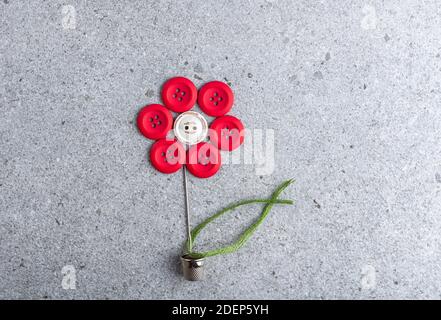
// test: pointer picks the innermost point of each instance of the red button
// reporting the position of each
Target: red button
(179, 94)
(203, 160)
(154, 121)
(227, 133)
(167, 156)
(215, 98)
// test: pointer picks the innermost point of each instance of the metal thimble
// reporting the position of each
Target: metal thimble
(193, 268)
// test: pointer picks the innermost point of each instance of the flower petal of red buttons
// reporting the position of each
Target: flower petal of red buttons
(167, 156)
(227, 133)
(154, 121)
(179, 94)
(215, 98)
(203, 160)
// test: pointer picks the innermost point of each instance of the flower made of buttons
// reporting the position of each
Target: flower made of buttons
(190, 129)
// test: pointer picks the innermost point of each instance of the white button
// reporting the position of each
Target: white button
(190, 128)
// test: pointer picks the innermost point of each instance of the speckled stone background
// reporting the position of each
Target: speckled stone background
(350, 88)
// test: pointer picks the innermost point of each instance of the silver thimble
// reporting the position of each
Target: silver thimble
(193, 268)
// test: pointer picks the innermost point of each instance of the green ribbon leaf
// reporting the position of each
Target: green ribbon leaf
(269, 203)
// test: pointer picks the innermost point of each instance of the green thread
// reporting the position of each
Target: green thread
(269, 203)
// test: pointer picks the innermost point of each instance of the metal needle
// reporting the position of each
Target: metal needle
(187, 209)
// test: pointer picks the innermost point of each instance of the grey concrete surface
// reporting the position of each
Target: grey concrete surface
(350, 88)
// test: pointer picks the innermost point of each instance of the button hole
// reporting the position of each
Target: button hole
(182, 93)
(179, 99)
(174, 95)
(215, 94)
(151, 119)
(153, 125)
(177, 90)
